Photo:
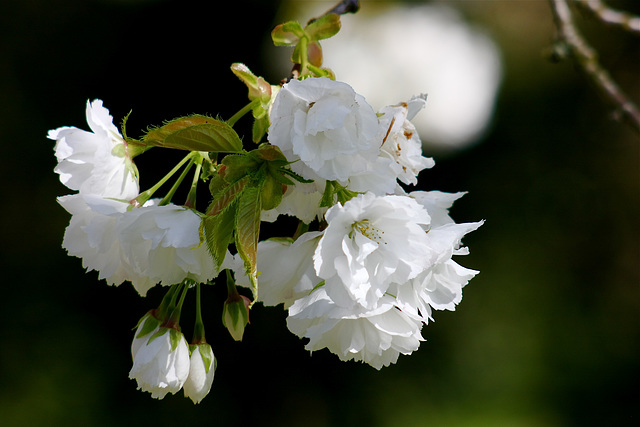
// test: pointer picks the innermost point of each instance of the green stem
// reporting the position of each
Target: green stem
(244, 110)
(191, 197)
(167, 303)
(146, 195)
(302, 45)
(198, 329)
(167, 199)
(301, 229)
(174, 318)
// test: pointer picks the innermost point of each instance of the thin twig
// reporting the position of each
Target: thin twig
(587, 58)
(343, 7)
(607, 15)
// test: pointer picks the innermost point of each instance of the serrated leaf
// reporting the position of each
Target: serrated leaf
(226, 196)
(294, 176)
(270, 153)
(239, 165)
(248, 232)
(195, 133)
(218, 230)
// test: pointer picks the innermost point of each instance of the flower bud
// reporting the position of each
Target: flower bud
(201, 372)
(235, 315)
(161, 364)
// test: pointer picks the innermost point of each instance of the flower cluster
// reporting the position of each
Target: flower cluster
(364, 285)
(361, 275)
(163, 362)
(110, 229)
(124, 240)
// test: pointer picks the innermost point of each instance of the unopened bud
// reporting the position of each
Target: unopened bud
(235, 315)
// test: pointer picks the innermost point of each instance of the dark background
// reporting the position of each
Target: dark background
(546, 335)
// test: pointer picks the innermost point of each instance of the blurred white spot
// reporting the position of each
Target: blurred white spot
(390, 54)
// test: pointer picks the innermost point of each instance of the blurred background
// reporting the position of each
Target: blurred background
(548, 334)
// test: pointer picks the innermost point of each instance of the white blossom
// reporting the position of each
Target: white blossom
(376, 337)
(438, 288)
(285, 269)
(302, 201)
(95, 162)
(437, 203)
(92, 234)
(145, 245)
(370, 242)
(202, 369)
(161, 244)
(401, 142)
(161, 364)
(325, 124)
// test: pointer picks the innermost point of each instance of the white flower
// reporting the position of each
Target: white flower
(325, 124)
(92, 235)
(161, 364)
(370, 242)
(285, 269)
(161, 244)
(146, 245)
(439, 287)
(201, 371)
(401, 142)
(375, 337)
(95, 162)
(301, 200)
(437, 204)
(379, 177)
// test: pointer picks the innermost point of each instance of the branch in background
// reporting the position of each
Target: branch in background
(610, 16)
(587, 59)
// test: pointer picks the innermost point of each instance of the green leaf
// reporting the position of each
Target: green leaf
(317, 286)
(239, 165)
(218, 230)
(260, 127)
(248, 232)
(323, 27)
(244, 73)
(258, 87)
(321, 72)
(270, 153)
(271, 194)
(150, 324)
(207, 357)
(328, 196)
(160, 333)
(224, 198)
(175, 337)
(287, 34)
(295, 176)
(195, 133)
